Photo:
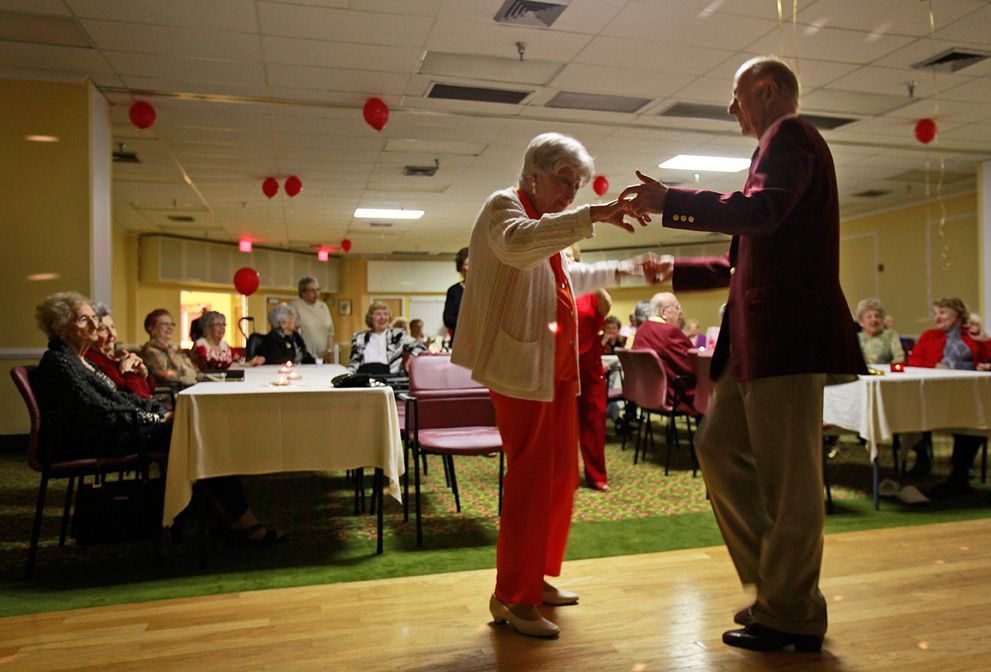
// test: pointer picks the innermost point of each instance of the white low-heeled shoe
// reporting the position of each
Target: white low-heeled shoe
(556, 597)
(537, 627)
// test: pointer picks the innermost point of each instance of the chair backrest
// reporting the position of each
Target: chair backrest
(703, 383)
(446, 395)
(436, 372)
(644, 381)
(251, 347)
(23, 383)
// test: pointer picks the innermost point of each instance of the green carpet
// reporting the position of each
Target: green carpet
(646, 511)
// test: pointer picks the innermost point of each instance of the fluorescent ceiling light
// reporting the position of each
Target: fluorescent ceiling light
(41, 138)
(711, 164)
(376, 213)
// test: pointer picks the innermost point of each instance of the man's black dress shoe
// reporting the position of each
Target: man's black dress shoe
(757, 637)
(745, 616)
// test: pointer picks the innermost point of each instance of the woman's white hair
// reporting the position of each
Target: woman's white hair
(548, 153)
(280, 313)
(57, 312)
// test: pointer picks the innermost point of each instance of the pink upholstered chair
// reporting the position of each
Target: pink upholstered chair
(645, 383)
(450, 415)
(40, 459)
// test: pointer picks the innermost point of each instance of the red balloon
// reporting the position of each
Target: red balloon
(246, 280)
(270, 186)
(925, 130)
(376, 113)
(346, 245)
(600, 185)
(142, 114)
(294, 185)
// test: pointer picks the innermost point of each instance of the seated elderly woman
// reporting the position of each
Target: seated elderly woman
(211, 351)
(126, 369)
(950, 346)
(879, 345)
(66, 382)
(284, 343)
(381, 344)
(169, 365)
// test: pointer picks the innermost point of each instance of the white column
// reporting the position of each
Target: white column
(100, 165)
(984, 238)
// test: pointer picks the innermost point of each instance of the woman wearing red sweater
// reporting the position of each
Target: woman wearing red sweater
(949, 346)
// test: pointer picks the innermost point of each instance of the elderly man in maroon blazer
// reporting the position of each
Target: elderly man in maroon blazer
(789, 334)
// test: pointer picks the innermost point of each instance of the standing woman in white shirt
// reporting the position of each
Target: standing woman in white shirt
(517, 332)
(313, 319)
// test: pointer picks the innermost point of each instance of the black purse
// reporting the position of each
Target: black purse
(113, 511)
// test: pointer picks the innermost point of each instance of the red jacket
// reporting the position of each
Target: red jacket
(131, 381)
(786, 313)
(929, 350)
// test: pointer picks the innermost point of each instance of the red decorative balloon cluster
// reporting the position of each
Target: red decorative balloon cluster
(600, 185)
(270, 186)
(925, 130)
(246, 280)
(142, 114)
(376, 113)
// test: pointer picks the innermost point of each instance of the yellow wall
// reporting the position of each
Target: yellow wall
(909, 267)
(45, 214)
(44, 189)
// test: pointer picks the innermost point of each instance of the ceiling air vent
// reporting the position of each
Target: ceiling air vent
(697, 111)
(538, 14)
(825, 123)
(412, 253)
(573, 100)
(126, 157)
(380, 225)
(873, 193)
(422, 171)
(951, 60)
(477, 94)
(181, 218)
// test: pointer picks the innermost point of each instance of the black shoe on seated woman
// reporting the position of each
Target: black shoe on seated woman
(952, 487)
(256, 535)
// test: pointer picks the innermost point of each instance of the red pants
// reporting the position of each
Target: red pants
(540, 441)
(592, 420)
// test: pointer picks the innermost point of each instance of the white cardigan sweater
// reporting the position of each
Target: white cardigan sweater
(508, 310)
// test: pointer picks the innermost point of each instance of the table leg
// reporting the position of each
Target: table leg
(378, 488)
(877, 504)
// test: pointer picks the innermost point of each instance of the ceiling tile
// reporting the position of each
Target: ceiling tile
(831, 44)
(337, 79)
(344, 26)
(178, 42)
(320, 53)
(225, 15)
(650, 20)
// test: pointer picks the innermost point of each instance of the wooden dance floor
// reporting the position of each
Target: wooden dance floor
(906, 599)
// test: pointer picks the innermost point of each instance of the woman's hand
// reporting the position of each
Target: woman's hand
(655, 268)
(986, 366)
(611, 213)
(256, 361)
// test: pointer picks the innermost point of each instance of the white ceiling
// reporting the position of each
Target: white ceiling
(245, 89)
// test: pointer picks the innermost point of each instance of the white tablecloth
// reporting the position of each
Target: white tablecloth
(251, 427)
(878, 407)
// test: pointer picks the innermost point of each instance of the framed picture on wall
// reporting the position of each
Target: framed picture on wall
(344, 306)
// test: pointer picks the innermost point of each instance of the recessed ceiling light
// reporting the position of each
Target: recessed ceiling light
(712, 164)
(375, 213)
(41, 138)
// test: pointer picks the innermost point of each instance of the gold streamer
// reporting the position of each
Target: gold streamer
(944, 254)
(781, 30)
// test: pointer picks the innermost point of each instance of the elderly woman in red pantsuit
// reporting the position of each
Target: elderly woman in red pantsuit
(517, 332)
(592, 311)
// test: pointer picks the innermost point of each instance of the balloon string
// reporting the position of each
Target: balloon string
(781, 29)
(794, 38)
(946, 260)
